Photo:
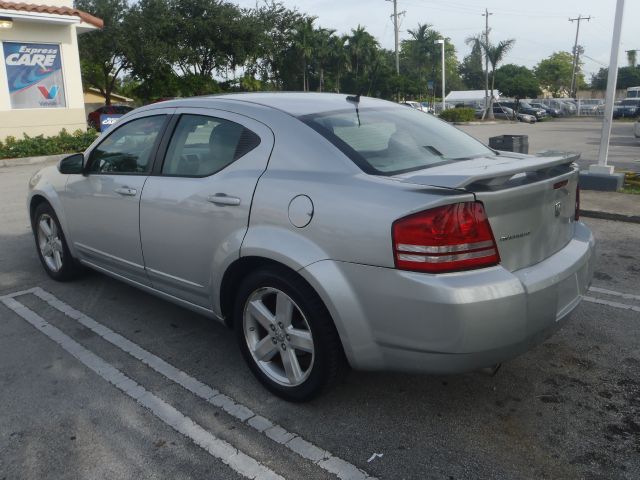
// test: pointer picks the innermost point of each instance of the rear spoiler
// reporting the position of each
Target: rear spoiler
(490, 171)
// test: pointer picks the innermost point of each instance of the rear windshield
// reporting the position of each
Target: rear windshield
(393, 140)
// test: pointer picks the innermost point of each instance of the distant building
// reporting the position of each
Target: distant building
(40, 81)
(93, 100)
(469, 97)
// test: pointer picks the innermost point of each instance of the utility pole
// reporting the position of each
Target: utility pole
(576, 54)
(486, 62)
(396, 30)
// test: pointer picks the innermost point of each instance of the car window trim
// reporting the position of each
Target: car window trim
(152, 153)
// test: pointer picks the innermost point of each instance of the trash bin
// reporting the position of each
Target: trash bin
(510, 143)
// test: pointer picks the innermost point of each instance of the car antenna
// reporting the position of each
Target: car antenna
(355, 99)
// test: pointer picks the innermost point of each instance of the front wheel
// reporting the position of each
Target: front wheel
(286, 335)
(52, 246)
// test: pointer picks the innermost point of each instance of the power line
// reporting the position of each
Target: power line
(576, 53)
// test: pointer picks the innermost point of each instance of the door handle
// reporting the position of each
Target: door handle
(126, 191)
(223, 199)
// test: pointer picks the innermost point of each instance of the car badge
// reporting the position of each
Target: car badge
(557, 208)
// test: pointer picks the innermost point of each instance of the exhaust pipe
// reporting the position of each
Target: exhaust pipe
(490, 371)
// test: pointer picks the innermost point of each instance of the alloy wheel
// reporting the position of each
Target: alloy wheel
(278, 336)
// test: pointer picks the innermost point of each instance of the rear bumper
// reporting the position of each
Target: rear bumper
(406, 321)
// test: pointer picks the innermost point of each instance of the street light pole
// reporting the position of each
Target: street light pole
(441, 42)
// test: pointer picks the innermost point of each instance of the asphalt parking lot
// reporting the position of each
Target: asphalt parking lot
(99, 380)
(576, 134)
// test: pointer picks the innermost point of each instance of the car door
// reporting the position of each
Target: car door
(102, 206)
(194, 210)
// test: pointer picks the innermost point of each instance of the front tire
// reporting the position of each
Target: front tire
(286, 335)
(51, 245)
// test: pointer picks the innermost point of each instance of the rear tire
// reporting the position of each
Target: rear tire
(286, 335)
(51, 245)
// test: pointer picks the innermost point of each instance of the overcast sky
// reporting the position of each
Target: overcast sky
(540, 27)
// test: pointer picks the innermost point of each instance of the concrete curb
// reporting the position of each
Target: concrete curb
(616, 217)
(10, 162)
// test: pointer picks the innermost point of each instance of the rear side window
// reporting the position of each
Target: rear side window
(202, 146)
(393, 140)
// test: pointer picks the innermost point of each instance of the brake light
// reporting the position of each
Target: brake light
(576, 215)
(445, 239)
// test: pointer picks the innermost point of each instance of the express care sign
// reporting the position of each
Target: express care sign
(34, 74)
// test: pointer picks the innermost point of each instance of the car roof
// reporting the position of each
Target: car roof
(293, 103)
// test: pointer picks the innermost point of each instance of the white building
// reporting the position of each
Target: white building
(40, 81)
(469, 97)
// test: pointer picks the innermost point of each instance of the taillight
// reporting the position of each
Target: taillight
(576, 215)
(445, 239)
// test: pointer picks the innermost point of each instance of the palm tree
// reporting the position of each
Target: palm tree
(631, 57)
(362, 46)
(338, 57)
(495, 54)
(421, 49)
(322, 42)
(304, 43)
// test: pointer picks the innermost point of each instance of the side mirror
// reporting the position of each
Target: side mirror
(73, 164)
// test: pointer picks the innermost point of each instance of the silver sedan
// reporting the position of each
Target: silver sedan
(327, 230)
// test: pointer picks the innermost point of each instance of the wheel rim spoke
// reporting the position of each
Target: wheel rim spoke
(300, 339)
(265, 349)
(284, 309)
(261, 313)
(44, 226)
(57, 258)
(291, 365)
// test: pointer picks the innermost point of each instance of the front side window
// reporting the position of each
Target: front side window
(127, 149)
(202, 146)
(393, 140)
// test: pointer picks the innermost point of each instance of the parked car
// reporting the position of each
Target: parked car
(551, 111)
(629, 107)
(505, 113)
(589, 106)
(416, 105)
(93, 120)
(524, 108)
(324, 227)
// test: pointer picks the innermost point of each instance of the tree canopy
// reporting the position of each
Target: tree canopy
(554, 74)
(517, 81)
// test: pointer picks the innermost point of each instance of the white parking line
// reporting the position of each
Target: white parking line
(604, 291)
(226, 453)
(622, 306)
(294, 442)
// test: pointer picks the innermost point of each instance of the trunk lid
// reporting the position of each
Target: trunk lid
(529, 200)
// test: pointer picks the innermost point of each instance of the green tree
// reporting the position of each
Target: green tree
(304, 44)
(632, 56)
(361, 47)
(627, 77)
(472, 69)
(103, 53)
(322, 45)
(517, 81)
(271, 58)
(338, 58)
(150, 50)
(554, 74)
(495, 54)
